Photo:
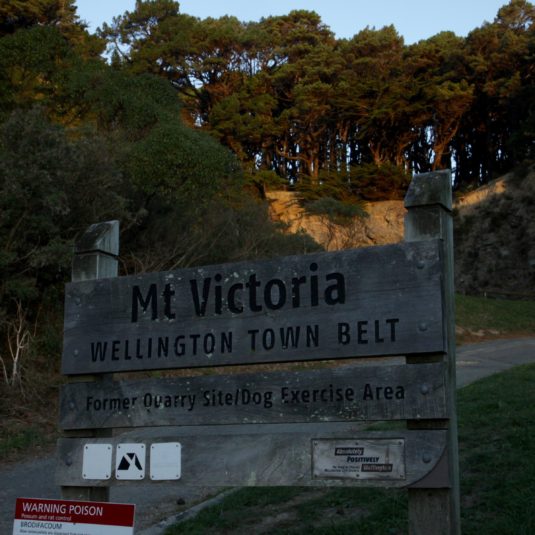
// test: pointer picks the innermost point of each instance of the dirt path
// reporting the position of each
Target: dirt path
(35, 477)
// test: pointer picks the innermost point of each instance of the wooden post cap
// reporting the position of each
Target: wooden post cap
(430, 188)
(101, 237)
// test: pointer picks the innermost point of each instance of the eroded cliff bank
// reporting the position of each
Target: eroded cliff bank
(494, 233)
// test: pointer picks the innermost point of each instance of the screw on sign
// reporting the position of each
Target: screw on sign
(165, 461)
(97, 461)
(130, 461)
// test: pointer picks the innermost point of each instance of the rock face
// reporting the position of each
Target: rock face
(494, 233)
(483, 193)
(495, 239)
(383, 224)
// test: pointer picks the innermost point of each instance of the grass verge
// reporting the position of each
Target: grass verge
(19, 440)
(480, 317)
(497, 451)
(497, 457)
(29, 422)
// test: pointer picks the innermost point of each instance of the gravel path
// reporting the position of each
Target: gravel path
(35, 477)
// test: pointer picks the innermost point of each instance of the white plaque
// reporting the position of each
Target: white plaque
(130, 461)
(358, 459)
(96, 463)
(165, 461)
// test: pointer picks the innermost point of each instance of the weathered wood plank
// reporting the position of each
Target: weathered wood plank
(363, 302)
(95, 257)
(261, 455)
(428, 202)
(343, 393)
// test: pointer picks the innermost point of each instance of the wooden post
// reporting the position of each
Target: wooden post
(434, 504)
(95, 257)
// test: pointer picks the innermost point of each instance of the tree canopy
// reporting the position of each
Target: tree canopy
(176, 126)
(82, 141)
(288, 97)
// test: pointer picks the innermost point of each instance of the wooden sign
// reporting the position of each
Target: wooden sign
(362, 302)
(302, 427)
(248, 455)
(343, 393)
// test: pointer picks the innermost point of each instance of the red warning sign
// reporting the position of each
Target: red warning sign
(57, 517)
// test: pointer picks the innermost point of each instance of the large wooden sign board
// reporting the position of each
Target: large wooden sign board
(345, 393)
(390, 305)
(282, 455)
(362, 302)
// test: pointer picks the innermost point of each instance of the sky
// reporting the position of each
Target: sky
(413, 19)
